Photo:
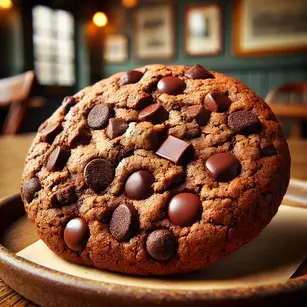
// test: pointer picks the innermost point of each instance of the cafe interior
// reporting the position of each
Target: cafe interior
(51, 49)
(68, 45)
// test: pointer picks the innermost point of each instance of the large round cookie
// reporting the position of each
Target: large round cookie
(160, 170)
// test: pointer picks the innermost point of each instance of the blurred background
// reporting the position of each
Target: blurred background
(71, 44)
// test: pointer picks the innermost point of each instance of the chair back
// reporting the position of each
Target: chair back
(16, 88)
(289, 101)
(291, 93)
(14, 92)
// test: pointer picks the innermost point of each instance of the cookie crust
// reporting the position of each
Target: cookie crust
(233, 212)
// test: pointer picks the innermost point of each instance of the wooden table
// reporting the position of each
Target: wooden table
(12, 156)
(293, 111)
(297, 113)
(13, 151)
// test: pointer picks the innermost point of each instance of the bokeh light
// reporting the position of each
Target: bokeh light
(100, 19)
(129, 3)
(6, 4)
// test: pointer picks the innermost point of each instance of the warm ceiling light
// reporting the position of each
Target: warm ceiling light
(100, 19)
(129, 3)
(6, 4)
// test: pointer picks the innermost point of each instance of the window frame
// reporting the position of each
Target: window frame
(57, 89)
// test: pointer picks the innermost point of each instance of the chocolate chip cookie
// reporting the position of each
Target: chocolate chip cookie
(158, 170)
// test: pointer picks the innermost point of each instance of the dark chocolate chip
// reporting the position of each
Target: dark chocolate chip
(76, 234)
(198, 72)
(67, 103)
(124, 222)
(99, 116)
(139, 185)
(66, 195)
(107, 214)
(50, 132)
(171, 85)
(58, 159)
(197, 112)
(244, 122)
(223, 167)
(184, 209)
(30, 187)
(161, 244)
(98, 174)
(83, 137)
(155, 113)
(268, 151)
(131, 76)
(217, 102)
(175, 150)
(116, 127)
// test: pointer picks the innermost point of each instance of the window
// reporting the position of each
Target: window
(53, 40)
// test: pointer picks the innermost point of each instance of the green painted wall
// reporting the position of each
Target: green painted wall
(260, 74)
(11, 51)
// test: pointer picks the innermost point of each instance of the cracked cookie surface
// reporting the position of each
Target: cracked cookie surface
(160, 170)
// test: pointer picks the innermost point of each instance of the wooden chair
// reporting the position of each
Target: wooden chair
(15, 92)
(289, 101)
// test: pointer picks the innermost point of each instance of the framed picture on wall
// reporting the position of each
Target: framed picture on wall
(116, 48)
(203, 30)
(273, 27)
(154, 37)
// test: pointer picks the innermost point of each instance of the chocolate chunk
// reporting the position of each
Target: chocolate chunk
(197, 112)
(131, 76)
(223, 167)
(244, 122)
(161, 244)
(142, 101)
(217, 102)
(268, 151)
(98, 174)
(175, 150)
(99, 116)
(83, 137)
(139, 185)
(198, 72)
(124, 222)
(76, 234)
(184, 209)
(116, 127)
(58, 159)
(155, 113)
(66, 195)
(67, 103)
(171, 85)
(30, 187)
(50, 132)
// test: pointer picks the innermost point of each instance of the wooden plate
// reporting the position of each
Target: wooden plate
(51, 288)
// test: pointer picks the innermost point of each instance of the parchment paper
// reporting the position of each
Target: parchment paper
(272, 257)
